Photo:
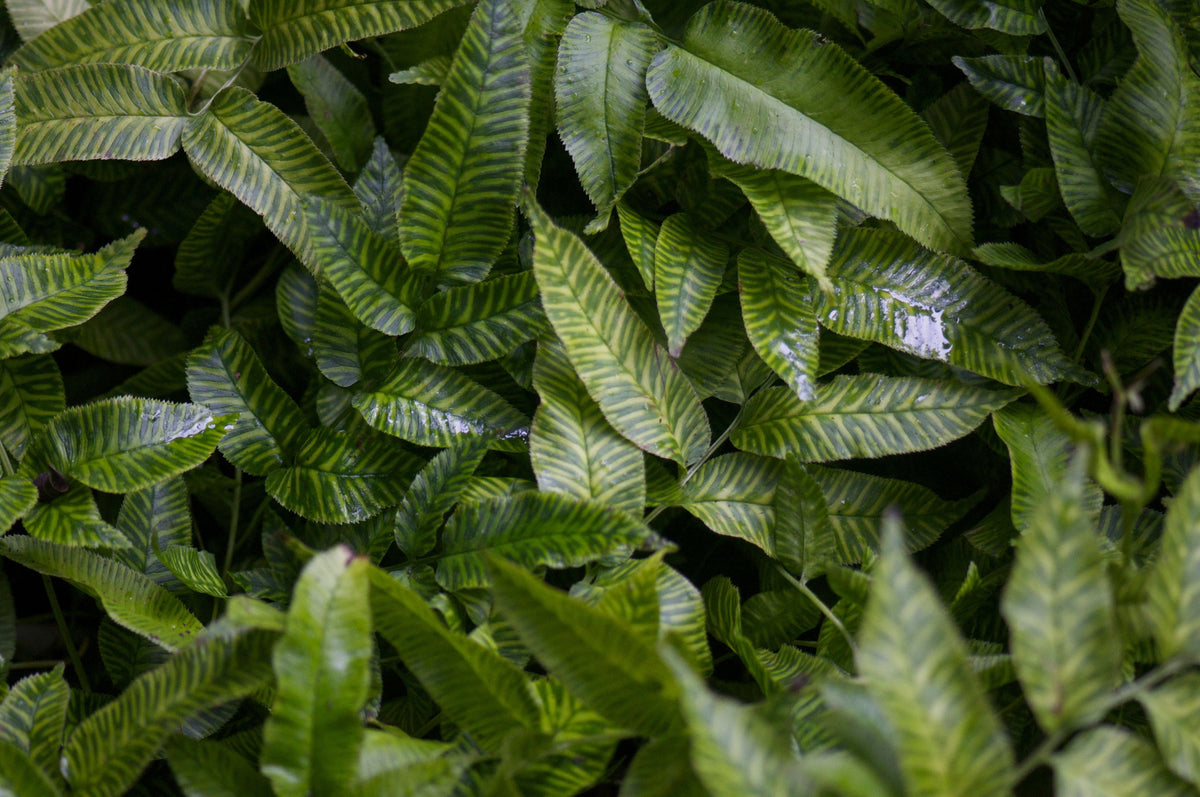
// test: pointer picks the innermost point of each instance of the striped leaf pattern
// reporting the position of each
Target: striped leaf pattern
(292, 30)
(213, 249)
(212, 767)
(32, 18)
(864, 416)
(914, 663)
(765, 95)
(156, 517)
(731, 495)
(346, 352)
(1060, 612)
(106, 752)
(340, 477)
(1014, 17)
(1109, 762)
(338, 109)
(777, 309)
(17, 497)
(633, 380)
(1173, 709)
(573, 448)
(532, 529)
(165, 37)
(225, 375)
(379, 187)
(688, 268)
(1173, 585)
(1157, 237)
(892, 292)
(322, 663)
(600, 96)
(1017, 258)
(1012, 82)
(20, 775)
(73, 519)
(98, 112)
(131, 599)
(641, 239)
(462, 182)
(434, 492)
(474, 323)
(296, 296)
(31, 393)
(958, 119)
(803, 537)
(8, 132)
(196, 570)
(545, 21)
(433, 405)
(33, 715)
(1186, 352)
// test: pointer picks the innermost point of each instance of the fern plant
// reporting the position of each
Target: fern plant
(540, 397)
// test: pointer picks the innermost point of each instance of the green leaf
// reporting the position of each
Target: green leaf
(340, 477)
(33, 716)
(1093, 272)
(477, 688)
(572, 447)
(663, 768)
(203, 769)
(777, 309)
(1172, 709)
(1014, 17)
(1012, 82)
(732, 495)
(1187, 352)
(197, 570)
(379, 187)
(688, 267)
(913, 661)
(155, 517)
(346, 352)
(892, 292)
(763, 94)
(72, 518)
(1157, 237)
(8, 129)
(31, 393)
(98, 112)
(641, 238)
(338, 109)
(17, 497)
(20, 776)
(322, 671)
(433, 405)
(1173, 584)
(958, 119)
(1060, 612)
(130, 333)
(1112, 762)
(863, 416)
(433, 492)
(600, 96)
(105, 753)
(210, 254)
(292, 30)
(32, 18)
(532, 529)
(463, 180)
(124, 444)
(633, 380)
(131, 599)
(226, 375)
(599, 658)
(210, 34)
(803, 537)
(474, 323)
(296, 296)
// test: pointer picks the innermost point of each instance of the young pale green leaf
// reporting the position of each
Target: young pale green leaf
(1060, 611)
(474, 323)
(913, 661)
(196, 570)
(98, 112)
(1158, 235)
(125, 444)
(641, 238)
(210, 254)
(803, 537)
(864, 416)
(32, 18)
(156, 517)
(1072, 118)
(484, 693)
(31, 393)
(33, 715)
(777, 309)
(600, 96)
(71, 517)
(209, 34)
(636, 384)
(131, 599)
(292, 30)
(322, 673)
(105, 753)
(1113, 762)
(958, 120)
(1187, 352)
(572, 447)
(338, 109)
(888, 290)
(17, 497)
(346, 351)
(19, 775)
(688, 267)
(340, 477)
(1014, 17)
(464, 178)
(1173, 585)
(599, 658)
(203, 769)
(226, 375)
(772, 97)
(1173, 709)
(433, 405)
(1012, 82)
(1040, 453)
(532, 529)
(1150, 126)
(433, 492)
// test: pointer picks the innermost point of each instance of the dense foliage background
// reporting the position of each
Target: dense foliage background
(421, 397)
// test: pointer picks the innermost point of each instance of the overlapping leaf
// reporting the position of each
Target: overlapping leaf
(346, 352)
(1172, 709)
(33, 715)
(17, 497)
(1013, 82)
(688, 267)
(32, 18)
(203, 768)
(433, 492)
(777, 309)
(71, 518)
(804, 538)
(210, 254)
(958, 119)
(20, 775)
(337, 108)
(156, 517)
(733, 495)
(1186, 352)
(1014, 17)
(31, 393)
(1173, 586)
(1159, 235)
(1112, 761)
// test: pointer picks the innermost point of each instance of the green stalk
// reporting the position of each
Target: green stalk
(65, 633)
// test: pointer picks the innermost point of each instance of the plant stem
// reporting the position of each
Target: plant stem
(712, 449)
(234, 511)
(274, 262)
(1062, 55)
(820, 604)
(65, 633)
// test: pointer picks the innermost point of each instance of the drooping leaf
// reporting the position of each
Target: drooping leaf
(31, 393)
(1173, 585)
(766, 95)
(1158, 237)
(1173, 711)
(777, 309)
(641, 239)
(71, 517)
(913, 661)
(157, 516)
(207, 768)
(1186, 352)
(1012, 256)
(195, 569)
(210, 34)
(321, 663)
(1014, 17)
(19, 775)
(1112, 762)
(131, 599)
(8, 129)
(633, 380)
(462, 182)
(572, 447)
(32, 18)
(936, 307)
(33, 716)
(337, 108)
(98, 112)
(1013, 82)
(732, 495)
(532, 529)
(688, 267)
(863, 416)
(378, 188)
(600, 96)
(434, 490)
